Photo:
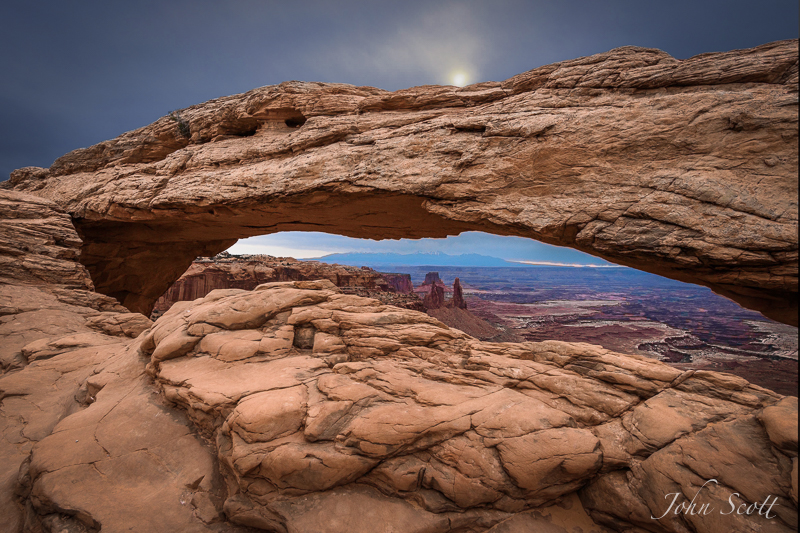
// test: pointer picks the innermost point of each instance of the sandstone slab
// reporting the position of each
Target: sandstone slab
(433, 418)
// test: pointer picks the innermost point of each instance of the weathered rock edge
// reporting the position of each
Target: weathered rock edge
(303, 387)
(312, 395)
(687, 169)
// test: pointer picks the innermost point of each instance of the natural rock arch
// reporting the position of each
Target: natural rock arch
(687, 169)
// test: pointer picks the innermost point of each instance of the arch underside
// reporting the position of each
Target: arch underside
(146, 258)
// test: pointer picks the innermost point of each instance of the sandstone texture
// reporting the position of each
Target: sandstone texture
(308, 391)
(684, 168)
(296, 407)
(109, 454)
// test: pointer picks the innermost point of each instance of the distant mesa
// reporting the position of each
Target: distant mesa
(226, 271)
(432, 278)
(433, 291)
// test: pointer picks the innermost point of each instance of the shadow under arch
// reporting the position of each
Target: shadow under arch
(136, 262)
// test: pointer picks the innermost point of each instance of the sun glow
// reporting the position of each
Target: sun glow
(459, 78)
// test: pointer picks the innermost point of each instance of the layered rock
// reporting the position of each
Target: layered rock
(44, 291)
(432, 278)
(434, 298)
(458, 295)
(296, 407)
(433, 291)
(454, 312)
(226, 271)
(315, 398)
(85, 441)
(400, 283)
(684, 168)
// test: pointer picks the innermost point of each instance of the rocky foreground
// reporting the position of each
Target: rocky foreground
(296, 408)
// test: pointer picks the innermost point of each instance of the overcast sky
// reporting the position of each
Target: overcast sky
(75, 73)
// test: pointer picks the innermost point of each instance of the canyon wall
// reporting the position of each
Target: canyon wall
(246, 272)
(683, 168)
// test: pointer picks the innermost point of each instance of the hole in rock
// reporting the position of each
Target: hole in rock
(512, 289)
(248, 132)
(304, 337)
(244, 127)
(295, 122)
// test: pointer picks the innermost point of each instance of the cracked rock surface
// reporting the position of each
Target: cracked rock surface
(313, 396)
(296, 408)
(683, 168)
(86, 442)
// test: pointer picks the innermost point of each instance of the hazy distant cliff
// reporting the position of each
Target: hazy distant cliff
(226, 271)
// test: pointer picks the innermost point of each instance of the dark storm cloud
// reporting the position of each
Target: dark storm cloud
(76, 73)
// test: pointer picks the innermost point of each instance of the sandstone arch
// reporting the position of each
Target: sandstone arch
(686, 169)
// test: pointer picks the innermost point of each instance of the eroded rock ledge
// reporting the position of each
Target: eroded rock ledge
(313, 396)
(297, 408)
(686, 169)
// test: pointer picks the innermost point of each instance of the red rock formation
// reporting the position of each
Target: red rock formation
(324, 408)
(454, 313)
(432, 278)
(434, 298)
(373, 420)
(323, 404)
(630, 155)
(400, 283)
(458, 296)
(225, 271)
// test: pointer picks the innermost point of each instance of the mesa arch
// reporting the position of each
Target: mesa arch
(687, 169)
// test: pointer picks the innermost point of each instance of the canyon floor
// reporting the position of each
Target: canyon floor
(629, 311)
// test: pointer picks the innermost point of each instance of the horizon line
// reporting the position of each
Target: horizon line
(552, 263)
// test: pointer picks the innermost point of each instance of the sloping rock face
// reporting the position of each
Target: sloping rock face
(434, 298)
(401, 283)
(458, 295)
(314, 398)
(686, 169)
(225, 271)
(86, 443)
(44, 291)
(296, 408)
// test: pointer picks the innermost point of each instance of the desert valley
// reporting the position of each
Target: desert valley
(620, 309)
